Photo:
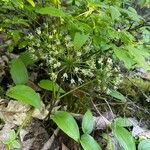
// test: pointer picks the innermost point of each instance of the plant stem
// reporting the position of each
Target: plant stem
(26, 120)
(7, 147)
(77, 88)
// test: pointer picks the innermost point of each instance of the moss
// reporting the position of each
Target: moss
(135, 88)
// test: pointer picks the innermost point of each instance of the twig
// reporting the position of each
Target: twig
(26, 120)
(108, 106)
(105, 119)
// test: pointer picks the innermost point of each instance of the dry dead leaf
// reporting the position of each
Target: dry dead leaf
(49, 143)
(64, 147)
(145, 135)
(4, 134)
(15, 112)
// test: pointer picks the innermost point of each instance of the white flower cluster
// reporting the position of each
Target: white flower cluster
(57, 49)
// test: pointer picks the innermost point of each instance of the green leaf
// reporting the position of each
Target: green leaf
(125, 57)
(31, 2)
(67, 123)
(126, 37)
(124, 137)
(56, 2)
(88, 143)
(25, 94)
(80, 40)
(144, 145)
(16, 145)
(18, 71)
(139, 56)
(115, 13)
(87, 122)
(142, 2)
(18, 3)
(51, 86)
(123, 122)
(27, 58)
(11, 137)
(117, 95)
(51, 11)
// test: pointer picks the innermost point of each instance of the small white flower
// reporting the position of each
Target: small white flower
(90, 74)
(84, 71)
(51, 60)
(72, 81)
(69, 44)
(100, 60)
(49, 46)
(54, 31)
(46, 25)
(67, 38)
(58, 64)
(58, 42)
(30, 36)
(109, 61)
(38, 31)
(53, 76)
(87, 48)
(80, 80)
(56, 53)
(76, 69)
(108, 91)
(55, 66)
(53, 47)
(65, 76)
(79, 54)
(38, 45)
(119, 30)
(115, 69)
(50, 36)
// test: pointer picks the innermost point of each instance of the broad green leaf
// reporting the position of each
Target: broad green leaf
(56, 2)
(88, 143)
(25, 94)
(115, 13)
(80, 40)
(125, 57)
(87, 122)
(51, 86)
(27, 58)
(131, 14)
(139, 56)
(126, 37)
(144, 145)
(83, 26)
(142, 2)
(51, 11)
(17, 21)
(16, 145)
(67, 123)
(18, 3)
(117, 95)
(124, 122)
(31, 2)
(18, 71)
(124, 137)
(11, 137)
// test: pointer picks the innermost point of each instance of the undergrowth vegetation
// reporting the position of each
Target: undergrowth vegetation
(82, 53)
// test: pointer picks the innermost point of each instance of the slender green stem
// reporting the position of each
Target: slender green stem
(26, 120)
(7, 147)
(77, 88)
